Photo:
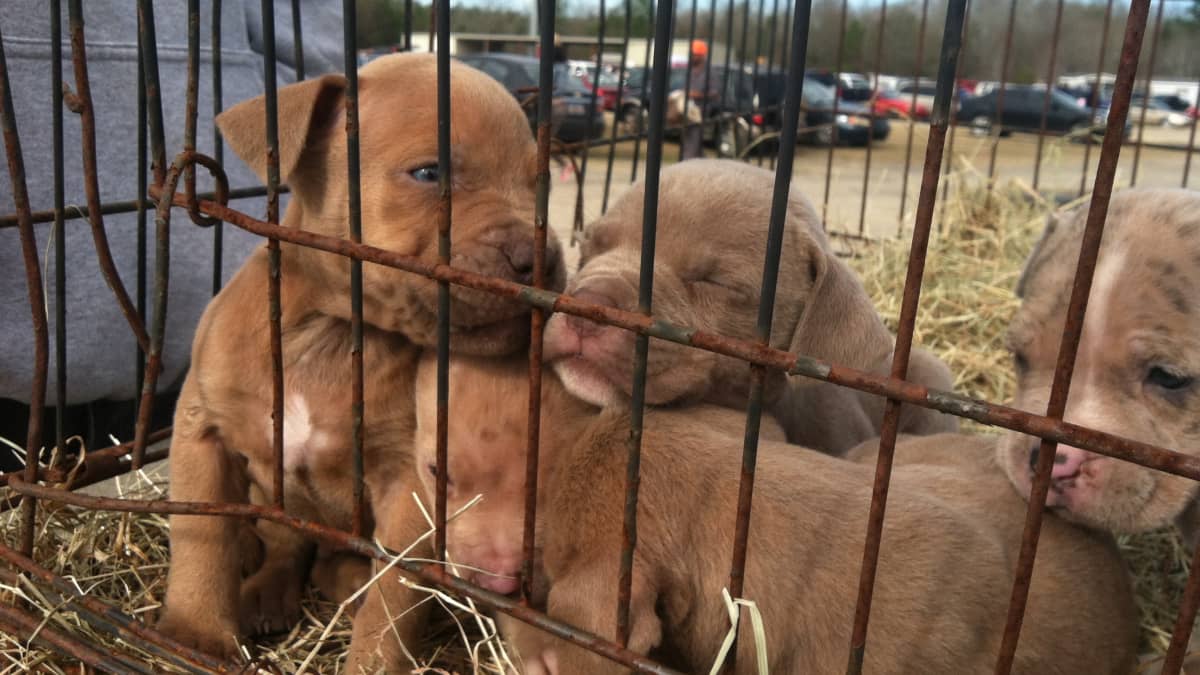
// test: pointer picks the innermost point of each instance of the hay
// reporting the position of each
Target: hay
(967, 301)
(121, 559)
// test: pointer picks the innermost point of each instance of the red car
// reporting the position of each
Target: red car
(606, 92)
(891, 104)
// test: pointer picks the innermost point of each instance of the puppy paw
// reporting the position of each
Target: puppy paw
(270, 602)
(202, 633)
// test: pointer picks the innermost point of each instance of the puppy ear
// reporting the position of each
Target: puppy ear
(1035, 259)
(838, 323)
(305, 110)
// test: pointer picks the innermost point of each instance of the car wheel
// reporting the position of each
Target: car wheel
(981, 125)
(823, 136)
(735, 136)
(633, 118)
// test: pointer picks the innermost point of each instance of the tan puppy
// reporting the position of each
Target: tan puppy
(712, 230)
(1135, 375)
(222, 442)
(945, 567)
(486, 448)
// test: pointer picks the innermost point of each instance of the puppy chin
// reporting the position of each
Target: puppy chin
(496, 339)
(586, 382)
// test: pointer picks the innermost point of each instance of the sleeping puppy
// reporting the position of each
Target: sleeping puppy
(712, 231)
(1139, 358)
(222, 440)
(487, 456)
(945, 566)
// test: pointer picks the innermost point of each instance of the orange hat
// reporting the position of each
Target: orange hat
(699, 48)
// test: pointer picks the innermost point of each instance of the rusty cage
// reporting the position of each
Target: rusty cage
(160, 191)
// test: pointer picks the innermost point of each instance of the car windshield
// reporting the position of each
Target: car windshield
(608, 79)
(817, 94)
(1064, 99)
(565, 82)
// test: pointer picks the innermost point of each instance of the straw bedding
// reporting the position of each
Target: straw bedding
(966, 303)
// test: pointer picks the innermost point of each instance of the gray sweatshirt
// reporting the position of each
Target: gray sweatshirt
(101, 351)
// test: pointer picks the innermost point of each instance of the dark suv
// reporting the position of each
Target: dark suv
(569, 111)
(1023, 106)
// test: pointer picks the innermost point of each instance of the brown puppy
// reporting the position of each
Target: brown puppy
(1139, 357)
(945, 566)
(222, 442)
(712, 231)
(486, 446)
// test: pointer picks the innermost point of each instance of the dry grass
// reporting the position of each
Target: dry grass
(967, 301)
(121, 559)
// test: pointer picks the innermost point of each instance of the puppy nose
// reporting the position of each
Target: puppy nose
(519, 251)
(520, 254)
(585, 327)
(1066, 460)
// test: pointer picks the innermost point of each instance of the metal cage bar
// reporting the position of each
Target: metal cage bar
(1089, 251)
(952, 41)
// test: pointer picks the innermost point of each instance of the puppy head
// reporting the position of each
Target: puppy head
(1138, 365)
(493, 160)
(486, 444)
(713, 217)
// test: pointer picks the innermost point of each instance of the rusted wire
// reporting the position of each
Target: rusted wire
(37, 298)
(105, 618)
(1097, 90)
(862, 210)
(91, 182)
(25, 628)
(443, 305)
(1041, 138)
(1145, 454)
(952, 39)
(1137, 148)
(426, 572)
(912, 117)
(660, 74)
(837, 95)
(1135, 27)
(354, 221)
(793, 95)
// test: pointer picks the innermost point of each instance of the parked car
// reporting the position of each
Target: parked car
(890, 103)
(1023, 105)
(925, 92)
(570, 121)
(734, 108)
(852, 121)
(606, 89)
(1157, 111)
(1179, 104)
(850, 86)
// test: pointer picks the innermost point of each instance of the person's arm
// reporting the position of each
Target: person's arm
(321, 36)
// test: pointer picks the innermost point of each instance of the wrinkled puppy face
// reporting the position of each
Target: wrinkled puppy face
(486, 444)
(493, 166)
(713, 217)
(1138, 362)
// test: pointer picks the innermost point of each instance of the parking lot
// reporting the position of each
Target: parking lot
(1059, 176)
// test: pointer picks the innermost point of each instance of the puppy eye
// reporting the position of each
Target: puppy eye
(1166, 379)
(1021, 362)
(425, 174)
(433, 471)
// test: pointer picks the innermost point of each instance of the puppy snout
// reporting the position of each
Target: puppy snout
(585, 327)
(519, 250)
(1067, 460)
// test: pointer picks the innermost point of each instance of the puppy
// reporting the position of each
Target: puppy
(222, 439)
(1139, 358)
(945, 565)
(711, 242)
(486, 447)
